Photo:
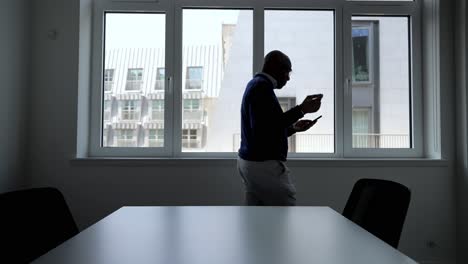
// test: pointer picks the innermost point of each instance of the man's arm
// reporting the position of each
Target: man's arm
(291, 131)
(291, 116)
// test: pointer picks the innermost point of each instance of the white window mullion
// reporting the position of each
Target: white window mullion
(347, 82)
(168, 81)
(340, 81)
(416, 82)
(177, 90)
(258, 38)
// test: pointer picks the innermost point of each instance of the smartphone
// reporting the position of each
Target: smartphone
(315, 120)
(319, 97)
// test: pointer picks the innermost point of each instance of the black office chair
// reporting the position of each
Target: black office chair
(380, 207)
(32, 222)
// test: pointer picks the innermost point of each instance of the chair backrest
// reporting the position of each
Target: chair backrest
(380, 207)
(32, 222)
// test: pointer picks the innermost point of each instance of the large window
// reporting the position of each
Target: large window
(133, 76)
(310, 46)
(381, 82)
(174, 72)
(217, 64)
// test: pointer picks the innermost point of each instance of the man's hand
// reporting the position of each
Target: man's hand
(303, 125)
(311, 103)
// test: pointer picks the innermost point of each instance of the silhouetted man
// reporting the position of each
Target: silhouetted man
(265, 129)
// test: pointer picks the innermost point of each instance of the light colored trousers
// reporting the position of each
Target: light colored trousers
(266, 183)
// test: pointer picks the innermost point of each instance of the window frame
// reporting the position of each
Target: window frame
(413, 12)
(100, 8)
(343, 11)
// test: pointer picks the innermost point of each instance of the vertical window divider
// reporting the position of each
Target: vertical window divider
(417, 93)
(177, 81)
(340, 95)
(346, 130)
(258, 38)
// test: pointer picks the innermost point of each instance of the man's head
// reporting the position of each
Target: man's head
(278, 65)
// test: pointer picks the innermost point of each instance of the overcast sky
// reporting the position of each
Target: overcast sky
(200, 27)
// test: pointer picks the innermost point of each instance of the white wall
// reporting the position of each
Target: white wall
(14, 77)
(94, 189)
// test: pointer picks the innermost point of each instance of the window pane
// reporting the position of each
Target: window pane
(134, 68)
(307, 37)
(217, 64)
(381, 82)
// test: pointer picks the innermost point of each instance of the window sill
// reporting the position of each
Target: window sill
(293, 162)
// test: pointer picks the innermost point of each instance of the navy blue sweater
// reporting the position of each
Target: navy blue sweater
(264, 127)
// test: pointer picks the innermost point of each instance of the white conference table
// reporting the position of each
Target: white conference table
(224, 235)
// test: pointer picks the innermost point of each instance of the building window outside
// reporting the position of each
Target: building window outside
(107, 110)
(130, 110)
(156, 138)
(362, 126)
(108, 80)
(160, 78)
(134, 79)
(190, 139)
(191, 105)
(194, 78)
(126, 138)
(157, 109)
(361, 54)
(105, 137)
